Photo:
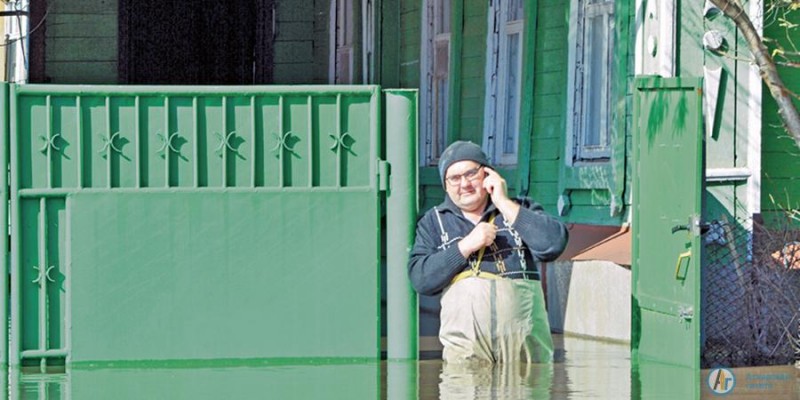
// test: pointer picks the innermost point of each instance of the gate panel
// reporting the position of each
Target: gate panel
(227, 221)
(42, 267)
(223, 275)
(667, 193)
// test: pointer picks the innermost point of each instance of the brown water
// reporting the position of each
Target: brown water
(583, 369)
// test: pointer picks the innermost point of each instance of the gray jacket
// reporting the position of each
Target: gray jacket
(435, 259)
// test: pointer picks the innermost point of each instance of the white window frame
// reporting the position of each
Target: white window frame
(577, 151)
(341, 42)
(368, 40)
(434, 115)
(498, 88)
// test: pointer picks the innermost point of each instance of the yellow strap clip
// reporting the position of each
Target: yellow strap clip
(476, 267)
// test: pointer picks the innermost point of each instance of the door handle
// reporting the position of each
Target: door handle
(680, 228)
(703, 227)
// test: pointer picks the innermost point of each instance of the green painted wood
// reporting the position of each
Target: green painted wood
(296, 10)
(544, 170)
(187, 208)
(82, 42)
(390, 43)
(81, 49)
(721, 149)
(297, 73)
(295, 36)
(780, 157)
(468, 125)
(619, 89)
(457, 64)
(296, 31)
(81, 25)
(86, 72)
(527, 103)
(591, 213)
(86, 7)
(666, 304)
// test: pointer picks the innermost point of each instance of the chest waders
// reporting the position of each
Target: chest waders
(488, 317)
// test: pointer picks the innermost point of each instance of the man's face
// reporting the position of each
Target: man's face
(464, 185)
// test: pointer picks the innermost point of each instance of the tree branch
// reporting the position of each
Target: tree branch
(769, 71)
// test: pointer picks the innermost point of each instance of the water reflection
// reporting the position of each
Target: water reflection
(329, 381)
(583, 369)
(504, 381)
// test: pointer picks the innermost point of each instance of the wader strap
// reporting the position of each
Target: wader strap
(444, 236)
(475, 269)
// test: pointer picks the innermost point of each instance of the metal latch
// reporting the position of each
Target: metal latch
(693, 226)
(383, 175)
(685, 314)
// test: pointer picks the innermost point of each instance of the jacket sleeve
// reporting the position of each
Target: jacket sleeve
(545, 236)
(430, 268)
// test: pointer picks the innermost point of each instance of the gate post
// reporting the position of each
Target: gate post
(4, 254)
(401, 215)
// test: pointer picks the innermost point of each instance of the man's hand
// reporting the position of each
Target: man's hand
(481, 236)
(498, 191)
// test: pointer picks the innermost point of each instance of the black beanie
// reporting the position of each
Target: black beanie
(461, 151)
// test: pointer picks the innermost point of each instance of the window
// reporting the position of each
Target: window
(504, 80)
(435, 85)
(590, 63)
(342, 27)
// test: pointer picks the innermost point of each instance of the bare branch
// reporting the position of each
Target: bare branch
(766, 64)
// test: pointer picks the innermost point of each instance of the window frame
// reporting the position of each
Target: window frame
(342, 13)
(577, 153)
(610, 174)
(497, 89)
(429, 134)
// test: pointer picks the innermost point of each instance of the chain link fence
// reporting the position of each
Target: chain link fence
(750, 295)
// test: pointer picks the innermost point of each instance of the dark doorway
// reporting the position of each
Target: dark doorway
(195, 42)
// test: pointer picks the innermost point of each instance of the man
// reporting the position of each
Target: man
(480, 249)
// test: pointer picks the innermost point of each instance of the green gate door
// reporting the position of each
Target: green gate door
(176, 223)
(667, 193)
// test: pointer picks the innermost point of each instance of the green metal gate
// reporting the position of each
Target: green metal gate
(175, 223)
(667, 192)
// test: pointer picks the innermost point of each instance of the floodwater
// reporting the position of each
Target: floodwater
(583, 369)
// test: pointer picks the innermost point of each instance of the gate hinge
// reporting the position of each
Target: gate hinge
(383, 175)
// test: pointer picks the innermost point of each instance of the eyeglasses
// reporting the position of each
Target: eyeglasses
(471, 175)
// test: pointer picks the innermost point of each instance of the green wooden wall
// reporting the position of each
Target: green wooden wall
(81, 41)
(780, 156)
(549, 99)
(298, 42)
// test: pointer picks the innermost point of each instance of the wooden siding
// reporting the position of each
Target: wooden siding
(473, 71)
(780, 156)
(410, 38)
(81, 41)
(549, 100)
(780, 161)
(295, 46)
